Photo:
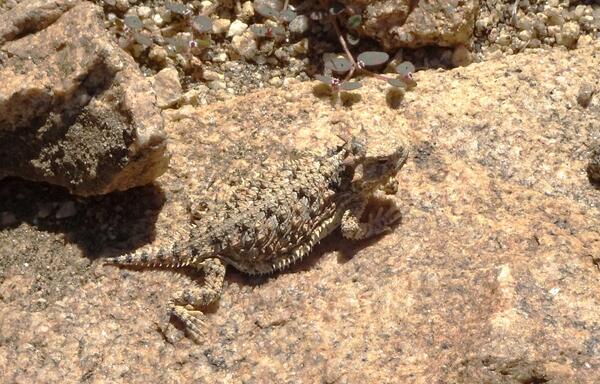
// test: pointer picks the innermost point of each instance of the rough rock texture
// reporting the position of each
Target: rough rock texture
(492, 276)
(412, 24)
(74, 109)
(32, 16)
(167, 87)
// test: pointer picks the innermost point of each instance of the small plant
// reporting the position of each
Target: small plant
(188, 35)
(342, 65)
(198, 27)
(133, 32)
(338, 71)
(286, 15)
(279, 18)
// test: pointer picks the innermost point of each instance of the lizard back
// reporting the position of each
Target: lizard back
(275, 218)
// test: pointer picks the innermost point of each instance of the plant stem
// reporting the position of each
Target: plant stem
(345, 47)
(515, 10)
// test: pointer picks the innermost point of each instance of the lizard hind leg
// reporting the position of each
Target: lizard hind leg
(186, 304)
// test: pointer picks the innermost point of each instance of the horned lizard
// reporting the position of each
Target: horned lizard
(276, 218)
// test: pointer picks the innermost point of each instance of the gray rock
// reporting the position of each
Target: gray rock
(74, 108)
(399, 23)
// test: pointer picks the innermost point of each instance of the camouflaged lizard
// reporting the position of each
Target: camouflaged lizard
(276, 218)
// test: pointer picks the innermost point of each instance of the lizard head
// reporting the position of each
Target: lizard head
(379, 164)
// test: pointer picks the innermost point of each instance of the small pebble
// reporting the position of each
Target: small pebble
(167, 87)
(158, 20)
(221, 25)
(65, 210)
(504, 39)
(207, 7)
(195, 96)
(525, 35)
(245, 45)
(568, 35)
(220, 57)
(212, 75)
(122, 5)
(158, 54)
(461, 57)
(299, 48)
(584, 96)
(217, 84)
(275, 81)
(247, 11)
(144, 12)
(300, 24)
(237, 28)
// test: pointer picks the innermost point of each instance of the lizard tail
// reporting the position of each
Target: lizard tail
(178, 253)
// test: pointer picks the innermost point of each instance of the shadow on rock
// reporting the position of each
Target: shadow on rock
(100, 226)
(346, 249)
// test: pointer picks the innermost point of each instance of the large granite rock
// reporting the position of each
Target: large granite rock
(412, 24)
(74, 108)
(492, 276)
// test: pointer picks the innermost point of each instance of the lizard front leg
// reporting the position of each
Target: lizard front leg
(378, 222)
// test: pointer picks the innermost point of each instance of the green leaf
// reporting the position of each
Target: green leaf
(350, 85)
(373, 58)
(143, 39)
(405, 68)
(324, 79)
(177, 8)
(275, 31)
(340, 65)
(259, 30)
(396, 82)
(203, 43)
(202, 24)
(288, 15)
(266, 11)
(178, 42)
(133, 22)
(354, 21)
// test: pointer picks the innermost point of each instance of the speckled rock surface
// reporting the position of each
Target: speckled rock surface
(74, 108)
(491, 277)
(412, 24)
